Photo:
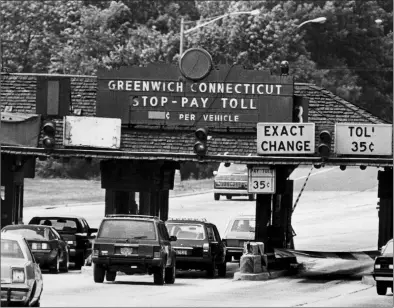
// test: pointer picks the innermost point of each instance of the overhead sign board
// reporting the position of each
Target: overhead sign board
(229, 96)
(285, 138)
(363, 139)
(261, 180)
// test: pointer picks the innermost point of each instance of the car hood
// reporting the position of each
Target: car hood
(239, 235)
(7, 264)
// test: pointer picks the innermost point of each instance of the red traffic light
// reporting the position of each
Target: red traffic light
(202, 134)
(49, 132)
(324, 147)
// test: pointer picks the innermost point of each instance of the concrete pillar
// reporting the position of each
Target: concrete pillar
(164, 200)
(263, 217)
(385, 193)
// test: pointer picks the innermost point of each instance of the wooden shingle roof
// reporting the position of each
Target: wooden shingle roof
(325, 109)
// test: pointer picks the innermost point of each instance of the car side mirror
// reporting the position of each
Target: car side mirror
(173, 238)
(215, 173)
(92, 230)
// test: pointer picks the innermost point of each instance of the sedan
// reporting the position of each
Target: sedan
(239, 230)
(383, 269)
(75, 230)
(48, 247)
(21, 279)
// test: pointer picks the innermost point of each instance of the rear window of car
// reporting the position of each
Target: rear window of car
(233, 168)
(59, 224)
(243, 225)
(130, 229)
(11, 249)
(40, 234)
(186, 231)
(388, 249)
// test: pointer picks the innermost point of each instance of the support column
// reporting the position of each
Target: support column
(144, 203)
(385, 193)
(263, 218)
(164, 198)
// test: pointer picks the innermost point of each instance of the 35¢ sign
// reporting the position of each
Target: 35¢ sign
(363, 139)
(261, 180)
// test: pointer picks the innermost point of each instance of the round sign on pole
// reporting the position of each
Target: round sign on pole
(195, 63)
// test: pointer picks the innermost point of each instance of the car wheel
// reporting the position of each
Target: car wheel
(251, 197)
(170, 274)
(381, 289)
(211, 269)
(159, 275)
(65, 263)
(222, 269)
(55, 267)
(110, 276)
(98, 273)
(216, 196)
(228, 197)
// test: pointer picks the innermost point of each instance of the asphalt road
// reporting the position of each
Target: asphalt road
(331, 220)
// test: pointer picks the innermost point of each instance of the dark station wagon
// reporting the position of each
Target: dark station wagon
(198, 245)
(133, 244)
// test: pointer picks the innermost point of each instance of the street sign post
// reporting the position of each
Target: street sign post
(261, 180)
(363, 139)
(285, 138)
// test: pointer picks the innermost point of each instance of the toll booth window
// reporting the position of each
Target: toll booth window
(243, 225)
(11, 249)
(186, 231)
(127, 229)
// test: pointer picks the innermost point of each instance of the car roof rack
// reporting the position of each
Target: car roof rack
(131, 216)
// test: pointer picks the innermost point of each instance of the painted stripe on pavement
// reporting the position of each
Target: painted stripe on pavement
(345, 255)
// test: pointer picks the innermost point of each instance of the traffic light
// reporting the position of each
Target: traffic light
(49, 131)
(201, 147)
(324, 147)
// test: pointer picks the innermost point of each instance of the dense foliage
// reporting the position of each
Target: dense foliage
(350, 54)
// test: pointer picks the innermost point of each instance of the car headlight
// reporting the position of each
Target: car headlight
(377, 265)
(34, 246)
(74, 243)
(44, 246)
(18, 275)
(390, 266)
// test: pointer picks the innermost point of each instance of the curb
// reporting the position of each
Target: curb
(260, 276)
(102, 202)
(368, 279)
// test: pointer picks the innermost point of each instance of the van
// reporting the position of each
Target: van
(231, 180)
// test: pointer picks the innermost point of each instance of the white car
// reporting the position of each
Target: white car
(239, 230)
(21, 278)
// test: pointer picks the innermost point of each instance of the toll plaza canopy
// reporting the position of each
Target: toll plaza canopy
(20, 93)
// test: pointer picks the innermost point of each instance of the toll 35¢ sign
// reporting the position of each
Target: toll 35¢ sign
(261, 180)
(363, 139)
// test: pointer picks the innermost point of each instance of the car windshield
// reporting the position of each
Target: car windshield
(388, 250)
(11, 249)
(62, 225)
(233, 168)
(186, 231)
(243, 225)
(127, 229)
(40, 234)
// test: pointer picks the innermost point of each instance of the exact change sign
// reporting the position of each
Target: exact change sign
(285, 138)
(261, 180)
(363, 139)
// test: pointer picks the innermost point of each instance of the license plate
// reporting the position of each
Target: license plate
(126, 251)
(231, 184)
(181, 252)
